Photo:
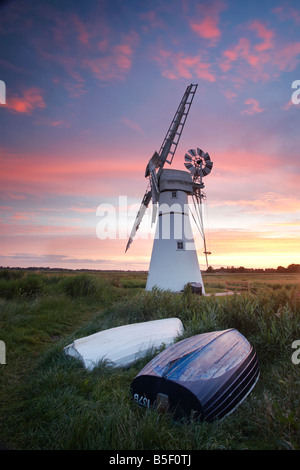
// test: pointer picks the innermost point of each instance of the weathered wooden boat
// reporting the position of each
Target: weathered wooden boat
(123, 345)
(205, 376)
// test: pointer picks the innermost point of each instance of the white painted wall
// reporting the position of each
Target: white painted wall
(170, 267)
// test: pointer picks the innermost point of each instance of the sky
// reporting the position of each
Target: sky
(88, 92)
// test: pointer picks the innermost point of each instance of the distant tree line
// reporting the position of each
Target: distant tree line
(62, 270)
(292, 268)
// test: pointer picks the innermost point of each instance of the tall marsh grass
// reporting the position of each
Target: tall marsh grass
(50, 401)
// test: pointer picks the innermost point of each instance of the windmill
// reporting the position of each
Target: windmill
(174, 260)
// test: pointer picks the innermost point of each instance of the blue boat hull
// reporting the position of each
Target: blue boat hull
(206, 376)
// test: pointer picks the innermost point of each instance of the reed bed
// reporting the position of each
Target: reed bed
(50, 401)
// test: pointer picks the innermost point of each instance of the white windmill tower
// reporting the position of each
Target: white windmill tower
(174, 260)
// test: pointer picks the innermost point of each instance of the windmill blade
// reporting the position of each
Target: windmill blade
(190, 167)
(154, 162)
(154, 185)
(203, 154)
(207, 169)
(192, 152)
(200, 152)
(187, 157)
(140, 214)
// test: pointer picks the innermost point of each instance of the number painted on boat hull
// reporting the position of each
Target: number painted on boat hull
(141, 400)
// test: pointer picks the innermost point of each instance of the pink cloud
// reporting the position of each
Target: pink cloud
(267, 203)
(152, 20)
(82, 209)
(82, 31)
(263, 33)
(250, 59)
(242, 50)
(286, 58)
(114, 61)
(208, 26)
(287, 13)
(99, 49)
(177, 65)
(132, 125)
(23, 215)
(254, 107)
(231, 95)
(288, 105)
(41, 174)
(260, 61)
(207, 29)
(30, 99)
(238, 162)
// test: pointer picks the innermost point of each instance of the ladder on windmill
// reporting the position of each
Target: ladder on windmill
(173, 135)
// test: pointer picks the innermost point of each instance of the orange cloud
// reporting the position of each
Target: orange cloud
(251, 249)
(32, 98)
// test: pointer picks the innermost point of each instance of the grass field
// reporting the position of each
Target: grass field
(49, 401)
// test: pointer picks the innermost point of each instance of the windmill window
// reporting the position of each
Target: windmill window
(174, 194)
(180, 245)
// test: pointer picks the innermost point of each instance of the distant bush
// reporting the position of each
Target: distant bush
(10, 274)
(133, 283)
(8, 289)
(79, 286)
(29, 286)
(146, 306)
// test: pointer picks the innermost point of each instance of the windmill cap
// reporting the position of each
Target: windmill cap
(171, 180)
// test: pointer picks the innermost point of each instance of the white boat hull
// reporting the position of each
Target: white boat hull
(123, 345)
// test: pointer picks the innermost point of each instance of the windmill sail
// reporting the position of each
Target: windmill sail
(199, 164)
(139, 216)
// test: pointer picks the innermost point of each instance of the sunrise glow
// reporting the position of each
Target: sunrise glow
(91, 89)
